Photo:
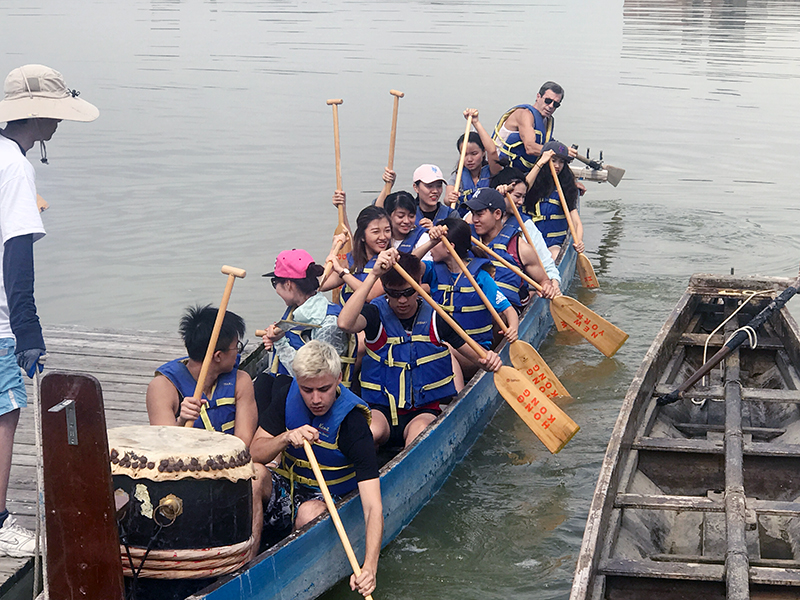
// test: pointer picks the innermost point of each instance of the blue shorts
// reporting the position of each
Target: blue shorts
(12, 387)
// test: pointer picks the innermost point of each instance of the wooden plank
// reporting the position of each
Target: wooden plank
(757, 432)
(661, 570)
(752, 394)
(717, 340)
(664, 502)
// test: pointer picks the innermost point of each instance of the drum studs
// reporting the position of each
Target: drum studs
(170, 507)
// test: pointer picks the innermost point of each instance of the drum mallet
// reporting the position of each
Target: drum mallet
(232, 273)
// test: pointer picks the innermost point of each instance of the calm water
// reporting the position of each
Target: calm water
(214, 146)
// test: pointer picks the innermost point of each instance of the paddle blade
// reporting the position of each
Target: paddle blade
(530, 363)
(586, 272)
(550, 424)
(561, 324)
(602, 334)
(614, 174)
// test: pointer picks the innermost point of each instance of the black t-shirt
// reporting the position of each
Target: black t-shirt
(429, 214)
(373, 328)
(355, 437)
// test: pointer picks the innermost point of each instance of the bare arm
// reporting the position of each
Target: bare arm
(526, 131)
(576, 221)
(265, 447)
(389, 177)
(492, 156)
(350, 319)
(511, 319)
(543, 160)
(340, 198)
(162, 402)
(246, 409)
(531, 265)
(370, 492)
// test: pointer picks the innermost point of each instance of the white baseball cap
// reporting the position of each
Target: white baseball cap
(428, 174)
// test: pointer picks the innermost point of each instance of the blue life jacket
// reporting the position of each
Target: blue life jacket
(407, 245)
(406, 371)
(513, 147)
(299, 338)
(457, 296)
(218, 413)
(339, 472)
(442, 212)
(512, 285)
(347, 291)
(469, 187)
(551, 220)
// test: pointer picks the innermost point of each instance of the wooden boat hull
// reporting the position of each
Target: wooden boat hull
(311, 560)
(701, 498)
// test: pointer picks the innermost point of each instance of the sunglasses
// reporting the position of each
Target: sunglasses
(276, 281)
(550, 101)
(406, 293)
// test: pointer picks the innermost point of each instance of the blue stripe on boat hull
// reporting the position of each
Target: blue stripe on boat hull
(309, 562)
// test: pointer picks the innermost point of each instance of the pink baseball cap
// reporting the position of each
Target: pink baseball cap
(291, 264)
(428, 174)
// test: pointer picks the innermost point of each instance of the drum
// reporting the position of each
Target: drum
(189, 509)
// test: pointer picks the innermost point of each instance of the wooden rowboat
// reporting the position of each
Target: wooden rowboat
(311, 560)
(701, 498)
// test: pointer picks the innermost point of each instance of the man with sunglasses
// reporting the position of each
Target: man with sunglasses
(524, 129)
(407, 371)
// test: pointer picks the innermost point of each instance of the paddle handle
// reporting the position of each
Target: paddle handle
(337, 522)
(462, 158)
(591, 163)
(337, 149)
(387, 187)
(495, 315)
(442, 313)
(329, 264)
(232, 273)
(505, 263)
(563, 201)
(261, 332)
(525, 231)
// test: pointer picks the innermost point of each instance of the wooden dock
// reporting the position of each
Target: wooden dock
(123, 362)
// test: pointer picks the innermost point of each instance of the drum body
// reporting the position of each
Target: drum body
(189, 500)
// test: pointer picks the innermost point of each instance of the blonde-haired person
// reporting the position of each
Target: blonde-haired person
(316, 407)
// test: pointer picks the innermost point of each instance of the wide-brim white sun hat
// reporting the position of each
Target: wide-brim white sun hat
(39, 92)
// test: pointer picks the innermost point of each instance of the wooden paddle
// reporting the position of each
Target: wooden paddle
(387, 187)
(560, 325)
(232, 273)
(585, 270)
(329, 264)
(614, 173)
(462, 158)
(524, 357)
(550, 424)
(337, 522)
(602, 334)
(341, 227)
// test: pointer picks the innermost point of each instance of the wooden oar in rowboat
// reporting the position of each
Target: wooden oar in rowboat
(585, 269)
(461, 159)
(560, 324)
(550, 424)
(232, 273)
(524, 357)
(337, 522)
(736, 340)
(602, 334)
(614, 173)
(387, 187)
(341, 227)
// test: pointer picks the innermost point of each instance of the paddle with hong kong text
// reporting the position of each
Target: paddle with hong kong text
(341, 227)
(550, 424)
(524, 357)
(602, 334)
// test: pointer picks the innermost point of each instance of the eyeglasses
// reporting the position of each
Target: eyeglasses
(406, 293)
(550, 101)
(276, 281)
(240, 346)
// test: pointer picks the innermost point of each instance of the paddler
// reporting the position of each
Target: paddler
(524, 129)
(543, 203)
(316, 407)
(296, 280)
(480, 164)
(429, 185)
(407, 372)
(36, 100)
(495, 228)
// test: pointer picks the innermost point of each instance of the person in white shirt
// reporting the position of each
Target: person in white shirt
(36, 100)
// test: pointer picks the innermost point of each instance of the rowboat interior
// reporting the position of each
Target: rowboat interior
(701, 498)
